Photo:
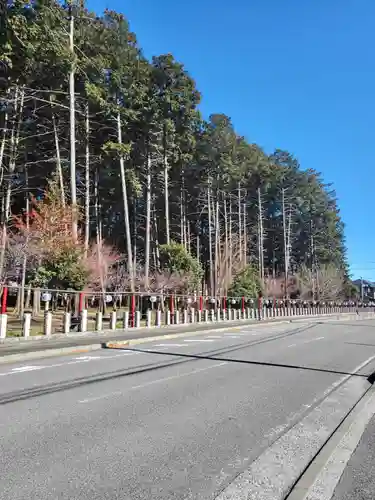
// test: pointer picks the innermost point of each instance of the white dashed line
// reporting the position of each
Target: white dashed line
(169, 345)
(199, 340)
(26, 368)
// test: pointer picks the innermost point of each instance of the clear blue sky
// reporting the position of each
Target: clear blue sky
(291, 74)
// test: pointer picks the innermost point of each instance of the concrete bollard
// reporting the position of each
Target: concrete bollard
(212, 315)
(168, 317)
(26, 325)
(218, 314)
(149, 318)
(224, 314)
(185, 316)
(199, 316)
(47, 325)
(125, 320)
(158, 318)
(137, 323)
(67, 321)
(206, 315)
(112, 320)
(3, 325)
(83, 321)
(99, 321)
(192, 312)
(177, 317)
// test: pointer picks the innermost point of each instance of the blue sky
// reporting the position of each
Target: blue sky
(297, 75)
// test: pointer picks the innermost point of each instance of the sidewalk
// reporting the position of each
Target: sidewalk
(358, 480)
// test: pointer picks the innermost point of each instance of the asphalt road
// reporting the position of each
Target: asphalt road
(178, 419)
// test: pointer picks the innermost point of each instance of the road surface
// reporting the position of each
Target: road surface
(180, 418)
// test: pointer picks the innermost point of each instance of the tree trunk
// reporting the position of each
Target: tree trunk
(226, 236)
(239, 220)
(126, 208)
(210, 240)
(73, 175)
(24, 262)
(58, 158)
(166, 192)
(2, 147)
(230, 240)
(157, 251)
(217, 242)
(244, 236)
(148, 222)
(14, 140)
(260, 238)
(87, 183)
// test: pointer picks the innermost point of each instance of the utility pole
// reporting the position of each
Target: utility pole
(73, 186)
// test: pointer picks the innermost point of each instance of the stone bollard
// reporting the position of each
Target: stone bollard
(206, 315)
(99, 321)
(212, 315)
(47, 325)
(26, 325)
(185, 316)
(112, 320)
(158, 318)
(168, 317)
(199, 316)
(192, 312)
(224, 314)
(218, 314)
(125, 320)
(83, 321)
(177, 317)
(137, 319)
(149, 318)
(67, 317)
(3, 325)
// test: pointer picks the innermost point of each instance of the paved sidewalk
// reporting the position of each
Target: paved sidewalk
(358, 479)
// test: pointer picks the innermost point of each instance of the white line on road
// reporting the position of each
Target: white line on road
(198, 340)
(22, 369)
(141, 386)
(169, 345)
(26, 369)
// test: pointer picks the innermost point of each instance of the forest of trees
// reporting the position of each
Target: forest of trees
(111, 177)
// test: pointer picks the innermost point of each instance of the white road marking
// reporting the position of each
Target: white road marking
(141, 386)
(22, 369)
(169, 345)
(198, 340)
(88, 358)
(26, 368)
(292, 345)
(214, 337)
